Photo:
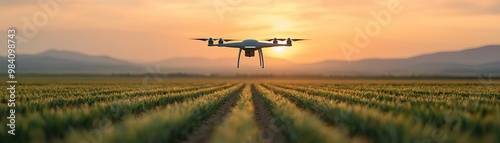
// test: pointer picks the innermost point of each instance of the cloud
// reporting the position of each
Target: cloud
(476, 7)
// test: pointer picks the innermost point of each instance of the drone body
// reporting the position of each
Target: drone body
(249, 46)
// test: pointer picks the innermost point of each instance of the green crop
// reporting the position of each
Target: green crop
(105, 109)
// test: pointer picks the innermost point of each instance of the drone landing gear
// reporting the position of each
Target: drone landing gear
(239, 55)
(261, 57)
(247, 54)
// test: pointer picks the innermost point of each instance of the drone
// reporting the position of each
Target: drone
(249, 46)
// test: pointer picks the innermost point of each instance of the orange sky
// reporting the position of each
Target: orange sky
(152, 30)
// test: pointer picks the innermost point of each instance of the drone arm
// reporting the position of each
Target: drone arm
(269, 45)
(230, 45)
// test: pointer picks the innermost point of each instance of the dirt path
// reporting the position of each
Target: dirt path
(269, 126)
(203, 133)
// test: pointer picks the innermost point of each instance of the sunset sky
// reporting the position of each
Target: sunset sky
(152, 30)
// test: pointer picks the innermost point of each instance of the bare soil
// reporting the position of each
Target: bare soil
(271, 129)
(203, 133)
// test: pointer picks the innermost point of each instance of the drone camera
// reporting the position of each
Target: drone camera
(249, 52)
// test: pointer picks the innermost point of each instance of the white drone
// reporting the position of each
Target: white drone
(249, 45)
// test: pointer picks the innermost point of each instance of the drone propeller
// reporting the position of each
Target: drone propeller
(283, 39)
(271, 39)
(299, 39)
(227, 40)
(200, 39)
(215, 39)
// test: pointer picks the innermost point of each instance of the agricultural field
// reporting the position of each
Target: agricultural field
(247, 110)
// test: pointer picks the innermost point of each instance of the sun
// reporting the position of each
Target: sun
(279, 49)
(281, 26)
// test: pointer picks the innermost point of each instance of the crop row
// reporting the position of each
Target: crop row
(240, 125)
(54, 123)
(88, 100)
(68, 92)
(479, 122)
(379, 126)
(298, 125)
(168, 124)
(482, 92)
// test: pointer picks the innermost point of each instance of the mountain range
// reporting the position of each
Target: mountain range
(481, 60)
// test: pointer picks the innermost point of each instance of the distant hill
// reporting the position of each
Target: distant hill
(471, 61)
(474, 56)
(74, 56)
(54, 61)
(480, 60)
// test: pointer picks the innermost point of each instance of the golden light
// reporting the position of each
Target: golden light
(279, 49)
(281, 26)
